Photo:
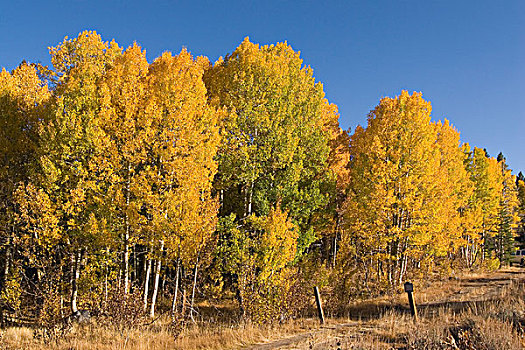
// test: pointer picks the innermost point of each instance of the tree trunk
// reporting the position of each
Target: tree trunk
(334, 250)
(6, 266)
(146, 284)
(174, 302)
(404, 261)
(134, 269)
(126, 235)
(106, 276)
(126, 260)
(144, 266)
(157, 277)
(193, 289)
(250, 196)
(483, 244)
(183, 301)
(106, 287)
(75, 262)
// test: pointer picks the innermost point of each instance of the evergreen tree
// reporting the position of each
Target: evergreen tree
(519, 178)
(520, 231)
(508, 216)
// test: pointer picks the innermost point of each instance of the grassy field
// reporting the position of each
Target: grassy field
(476, 311)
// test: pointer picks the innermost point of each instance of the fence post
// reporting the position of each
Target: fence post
(319, 305)
(409, 288)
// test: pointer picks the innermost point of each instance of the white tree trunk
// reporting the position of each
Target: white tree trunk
(157, 277)
(146, 285)
(174, 302)
(74, 278)
(193, 289)
(126, 235)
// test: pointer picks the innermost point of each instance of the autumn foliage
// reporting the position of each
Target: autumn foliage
(180, 180)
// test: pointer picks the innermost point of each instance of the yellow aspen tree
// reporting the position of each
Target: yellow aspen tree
(263, 263)
(471, 218)
(391, 213)
(126, 162)
(330, 223)
(484, 203)
(455, 189)
(182, 209)
(164, 138)
(71, 138)
(23, 97)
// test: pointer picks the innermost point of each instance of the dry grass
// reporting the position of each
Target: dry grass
(89, 337)
(496, 322)
(217, 337)
(99, 337)
(483, 311)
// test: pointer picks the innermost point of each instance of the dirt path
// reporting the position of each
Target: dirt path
(454, 294)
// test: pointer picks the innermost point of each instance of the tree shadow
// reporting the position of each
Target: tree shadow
(369, 312)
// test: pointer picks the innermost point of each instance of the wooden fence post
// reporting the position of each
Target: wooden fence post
(409, 288)
(319, 305)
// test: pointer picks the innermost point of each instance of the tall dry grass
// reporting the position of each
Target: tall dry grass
(497, 322)
(484, 318)
(157, 336)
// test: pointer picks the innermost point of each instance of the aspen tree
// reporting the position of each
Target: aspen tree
(276, 141)
(261, 261)
(70, 141)
(23, 98)
(390, 213)
(123, 96)
(182, 209)
(455, 189)
(485, 200)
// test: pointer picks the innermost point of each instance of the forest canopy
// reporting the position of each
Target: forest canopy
(182, 180)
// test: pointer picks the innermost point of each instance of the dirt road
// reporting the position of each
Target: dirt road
(371, 319)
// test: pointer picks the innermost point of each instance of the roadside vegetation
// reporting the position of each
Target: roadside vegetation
(474, 311)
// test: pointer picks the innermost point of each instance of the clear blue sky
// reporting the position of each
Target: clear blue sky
(467, 57)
